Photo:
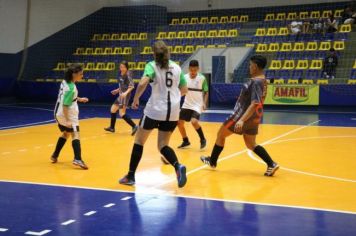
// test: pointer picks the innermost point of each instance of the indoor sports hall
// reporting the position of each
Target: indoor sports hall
(308, 125)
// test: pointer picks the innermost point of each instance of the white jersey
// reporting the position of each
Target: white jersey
(67, 96)
(164, 102)
(196, 87)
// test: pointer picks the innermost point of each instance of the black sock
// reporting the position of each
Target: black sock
(136, 155)
(128, 120)
(77, 149)
(216, 153)
(186, 140)
(113, 120)
(170, 156)
(201, 134)
(263, 154)
(60, 143)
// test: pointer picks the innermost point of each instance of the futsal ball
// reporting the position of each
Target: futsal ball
(164, 160)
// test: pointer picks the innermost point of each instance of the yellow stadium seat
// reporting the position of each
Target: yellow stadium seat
(315, 14)
(110, 66)
(273, 47)
(132, 65)
(89, 51)
(249, 45)
(201, 34)
(354, 67)
(260, 32)
(178, 49)
(302, 65)
(261, 47)
(221, 46)
(175, 21)
(311, 46)
(98, 51)
(140, 65)
(192, 34)
(269, 17)
(234, 19)
(184, 21)
(244, 18)
(281, 16)
(316, 65)
(224, 20)
(115, 37)
(147, 50)
(171, 35)
(308, 81)
(278, 81)
(91, 81)
(106, 37)
(204, 20)
(286, 47)
(108, 51)
(124, 36)
(89, 66)
(232, 33)
(293, 81)
(189, 49)
(60, 66)
(51, 80)
(288, 65)
(211, 46)
(214, 20)
(303, 15)
(212, 34)
(291, 16)
(117, 51)
(133, 36)
(271, 31)
(161, 35)
(326, 14)
(222, 33)
(298, 47)
(100, 66)
(351, 81)
(322, 81)
(113, 81)
(275, 65)
(127, 51)
(283, 31)
(96, 37)
(197, 47)
(181, 35)
(170, 49)
(79, 51)
(194, 20)
(325, 46)
(338, 13)
(142, 36)
(345, 28)
(339, 45)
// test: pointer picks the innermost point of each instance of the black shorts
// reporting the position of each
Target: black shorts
(188, 114)
(149, 124)
(248, 127)
(63, 128)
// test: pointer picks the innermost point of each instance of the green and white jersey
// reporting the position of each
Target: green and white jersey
(194, 98)
(67, 96)
(164, 102)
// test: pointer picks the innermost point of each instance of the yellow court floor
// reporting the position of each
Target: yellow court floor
(317, 164)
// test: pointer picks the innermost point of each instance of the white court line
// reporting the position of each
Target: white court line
(178, 195)
(3, 230)
(26, 125)
(43, 232)
(125, 198)
(89, 213)
(13, 133)
(310, 138)
(68, 222)
(109, 205)
(34, 108)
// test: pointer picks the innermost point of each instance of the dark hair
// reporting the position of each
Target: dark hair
(125, 63)
(161, 54)
(72, 69)
(193, 63)
(259, 60)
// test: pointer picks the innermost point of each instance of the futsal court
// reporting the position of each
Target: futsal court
(313, 193)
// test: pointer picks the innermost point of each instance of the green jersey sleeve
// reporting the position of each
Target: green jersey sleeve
(69, 95)
(205, 87)
(182, 81)
(149, 71)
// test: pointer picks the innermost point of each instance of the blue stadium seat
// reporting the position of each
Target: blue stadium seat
(313, 74)
(297, 74)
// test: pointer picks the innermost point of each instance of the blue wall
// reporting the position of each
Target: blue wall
(9, 67)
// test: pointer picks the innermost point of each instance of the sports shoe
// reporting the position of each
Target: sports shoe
(202, 144)
(80, 163)
(126, 180)
(271, 169)
(164, 160)
(207, 160)
(184, 145)
(109, 129)
(54, 158)
(181, 175)
(134, 130)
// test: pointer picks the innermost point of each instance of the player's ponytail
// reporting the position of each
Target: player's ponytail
(161, 54)
(72, 69)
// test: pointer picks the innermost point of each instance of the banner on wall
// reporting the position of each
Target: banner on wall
(292, 94)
